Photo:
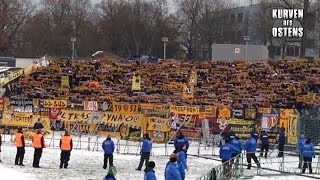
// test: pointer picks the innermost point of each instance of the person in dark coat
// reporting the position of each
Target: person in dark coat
(301, 142)
(108, 148)
(254, 134)
(232, 136)
(237, 143)
(264, 144)
(145, 151)
(38, 125)
(181, 141)
(20, 144)
(281, 142)
(250, 147)
(308, 153)
(149, 171)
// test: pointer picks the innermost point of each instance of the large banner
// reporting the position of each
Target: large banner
(73, 115)
(125, 108)
(241, 127)
(293, 129)
(285, 114)
(158, 124)
(185, 109)
(184, 120)
(117, 118)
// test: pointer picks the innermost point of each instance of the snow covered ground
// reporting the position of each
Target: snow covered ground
(87, 164)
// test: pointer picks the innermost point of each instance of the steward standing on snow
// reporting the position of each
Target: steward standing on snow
(149, 172)
(145, 151)
(108, 148)
(181, 141)
(301, 142)
(38, 144)
(66, 145)
(264, 144)
(251, 146)
(281, 141)
(171, 170)
(38, 125)
(20, 144)
(225, 154)
(308, 153)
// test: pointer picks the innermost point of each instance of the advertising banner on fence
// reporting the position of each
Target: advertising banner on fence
(125, 108)
(158, 124)
(48, 103)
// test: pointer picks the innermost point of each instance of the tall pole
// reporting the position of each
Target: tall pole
(246, 50)
(72, 50)
(164, 50)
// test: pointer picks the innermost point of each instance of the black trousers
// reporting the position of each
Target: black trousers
(255, 159)
(281, 147)
(36, 157)
(264, 147)
(19, 156)
(300, 160)
(105, 161)
(307, 162)
(144, 157)
(64, 158)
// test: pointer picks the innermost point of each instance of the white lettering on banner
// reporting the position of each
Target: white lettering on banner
(90, 105)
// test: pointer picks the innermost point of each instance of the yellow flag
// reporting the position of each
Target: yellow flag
(193, 78)
(187, 91)
(136, 86)
(65, 81)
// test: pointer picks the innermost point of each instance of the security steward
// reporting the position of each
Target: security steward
(66, 145)
(38, 144)
(20, 144)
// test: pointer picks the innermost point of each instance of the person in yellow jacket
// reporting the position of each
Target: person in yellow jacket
(20, 144)
(38, 144)
(66, 145)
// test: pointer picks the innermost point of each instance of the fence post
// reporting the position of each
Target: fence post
(199, 148)
(89, 143)
(118, 146)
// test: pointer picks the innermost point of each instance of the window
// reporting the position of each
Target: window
(240, 17)
(232, 19)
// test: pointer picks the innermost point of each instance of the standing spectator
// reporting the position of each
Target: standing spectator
(149, 171)
(66, 146)
(264, 144)
(301, 142)
(20, 144)
(108, 148)
(171, 170)
(38, 125)
(237, 143)
(181, 141)
(254, 134)
(111, 174)
(225, 154)
(251, 146)
(281, 142)
(182, 162)
(38, 144)
(145, 151)
(308, 153)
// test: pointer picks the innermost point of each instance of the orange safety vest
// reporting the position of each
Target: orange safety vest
(36, 142)
(66, 143)
(18, 140)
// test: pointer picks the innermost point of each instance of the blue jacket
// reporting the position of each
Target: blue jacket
(146, 146)
(264, 138)
(226, 151)
(150, 175)
(282, 139)
(238, 145)
(308, 150)
(108, 146)
(172, 172)
(182, 157)
(300, 144)
(251, 145)
(180, 141)
(181, 170)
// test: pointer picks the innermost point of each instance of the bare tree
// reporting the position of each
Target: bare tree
(13, 14)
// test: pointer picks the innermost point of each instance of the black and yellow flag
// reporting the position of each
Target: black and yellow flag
(136, 82)
(187, 91)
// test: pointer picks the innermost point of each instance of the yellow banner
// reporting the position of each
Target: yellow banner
(146, 106)
(187, 91)
(188, 120)
(73, 115)
(65, 81)
(117, 118)
(224, 112)
(161, 108)
(136, 83)
(80, 127)
(48, 103)
(158, 124)
(18, 119)
(211, 111)
(240, 122)
(185, 109)
(293, 129)
(264, 110)
(11, 77)
(125, 108)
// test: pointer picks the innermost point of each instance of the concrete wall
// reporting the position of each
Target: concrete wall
(227, 52)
